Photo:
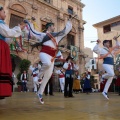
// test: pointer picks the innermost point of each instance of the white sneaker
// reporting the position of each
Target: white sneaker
(41, 99)
(39, 81)
(105, 95)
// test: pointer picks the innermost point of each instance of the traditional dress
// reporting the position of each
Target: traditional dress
(108, 65)
(87, 84)
(48, 53)
(76, 83)
(35, 72)
(5, 59)
(69, 74)
(61, 79)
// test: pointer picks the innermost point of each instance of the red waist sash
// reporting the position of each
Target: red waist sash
(34, 75)
(61, 76)
(49, 50)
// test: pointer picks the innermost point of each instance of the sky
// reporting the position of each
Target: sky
(96, 11)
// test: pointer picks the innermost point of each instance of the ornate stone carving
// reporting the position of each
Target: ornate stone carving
(46, 19)
(18, 7)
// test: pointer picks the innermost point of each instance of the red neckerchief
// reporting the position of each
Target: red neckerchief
(53, 40)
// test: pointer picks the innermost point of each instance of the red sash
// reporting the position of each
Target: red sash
(55, 43)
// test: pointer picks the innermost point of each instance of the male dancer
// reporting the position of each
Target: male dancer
(50, 41)
(35, 71)
(107, 55)
(61, 74)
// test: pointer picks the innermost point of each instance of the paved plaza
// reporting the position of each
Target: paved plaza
(25, 106)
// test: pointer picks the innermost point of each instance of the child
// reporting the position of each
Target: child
(5, 33)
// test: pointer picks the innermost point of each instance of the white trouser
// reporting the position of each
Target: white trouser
(62, 83)
(35, 82)
(108, 75)
(46, 70)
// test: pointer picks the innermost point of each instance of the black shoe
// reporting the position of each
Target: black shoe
(71, 96)
(51, 94)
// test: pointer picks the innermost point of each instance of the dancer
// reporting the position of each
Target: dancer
(107, 55)
(5, 33)
(35, 71)
(50, 41)
(61, 74)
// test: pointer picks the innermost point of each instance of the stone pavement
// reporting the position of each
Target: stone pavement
(26, 106)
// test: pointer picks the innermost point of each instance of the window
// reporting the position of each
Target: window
(70, 40)
(106, 28)
(47, 1)
(70, 10)
(15, 20)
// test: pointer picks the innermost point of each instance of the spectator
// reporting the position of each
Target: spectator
(24, 79)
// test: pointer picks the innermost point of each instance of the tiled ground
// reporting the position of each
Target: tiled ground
(25, 106)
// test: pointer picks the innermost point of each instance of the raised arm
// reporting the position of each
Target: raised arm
(38, 35)
(9, 33)
(60, 35)
(97, 48)
(111, 51)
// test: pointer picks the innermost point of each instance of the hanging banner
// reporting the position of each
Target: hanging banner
(74, 52)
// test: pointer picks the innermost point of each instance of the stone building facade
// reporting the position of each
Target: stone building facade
(45, 11)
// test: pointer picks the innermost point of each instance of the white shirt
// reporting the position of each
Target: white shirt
(37, 71)
(9, 33)
(40, 37)
(59, 72)
(66, 65)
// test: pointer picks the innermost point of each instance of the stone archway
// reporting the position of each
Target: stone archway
(17, 13)
(16, 7)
